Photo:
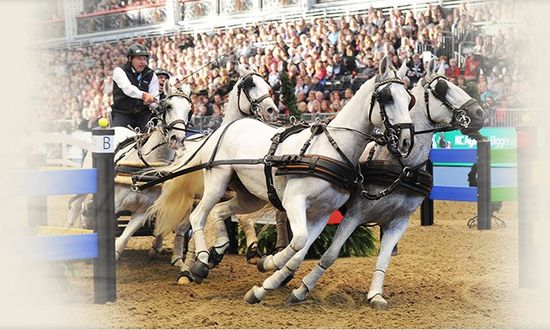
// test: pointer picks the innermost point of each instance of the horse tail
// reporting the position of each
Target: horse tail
(176, 200)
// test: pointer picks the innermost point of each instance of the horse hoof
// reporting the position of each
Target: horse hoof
(287, 279)
(117, 255)
(293, 300)
(214, 258)
(250, 297)
(253, 255)
(153, 254)
(378, 302)
(185, 278)
(260, 264)
(199, 271)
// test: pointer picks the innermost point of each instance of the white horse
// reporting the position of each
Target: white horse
(444, 103)
(167, 136)
(250, 97)
(138, 152)
(381, 102)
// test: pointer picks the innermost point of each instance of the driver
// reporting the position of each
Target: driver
(135, 88)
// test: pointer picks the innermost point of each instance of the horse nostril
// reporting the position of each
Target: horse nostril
(406, 144)
(270, 111)
(480, 113)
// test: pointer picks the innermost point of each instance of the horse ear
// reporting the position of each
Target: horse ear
(403, 70)
(186, 89)
(384, 66)
(242, 70)
(168, 86)
(430, 68)
(441, 70)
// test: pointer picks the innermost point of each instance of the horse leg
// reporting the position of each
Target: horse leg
(180, 246)
(247, 222)
(137, 221)
(215, 184)
(184, 276)
(242, 203)
(393, 232)
(156, 248)
(75, 209)
(278, 260)
(256, 294)
(344, 231)
(282, 232)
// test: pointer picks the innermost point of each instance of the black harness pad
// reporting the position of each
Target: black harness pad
(334, 171)
(385, 172)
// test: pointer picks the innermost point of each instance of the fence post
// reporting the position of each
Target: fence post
(427, 207)
(527, 206)
(104, 205)
(483, 185)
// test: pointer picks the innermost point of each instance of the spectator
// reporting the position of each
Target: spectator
(338, 68)
(135, 85)
(348, 94)
(471, 68)
(416, 69)
(452, 71)
(162, 76)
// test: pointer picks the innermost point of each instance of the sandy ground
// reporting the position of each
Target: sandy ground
(444, 276)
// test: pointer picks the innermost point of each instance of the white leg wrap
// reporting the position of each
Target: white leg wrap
(281, 258)
(313, 277)
(200, 246)
(308, 283)
(178, 247)
(377, 284)
(274, 281)
(221, 244)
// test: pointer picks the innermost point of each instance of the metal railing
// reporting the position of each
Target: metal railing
(120, 19)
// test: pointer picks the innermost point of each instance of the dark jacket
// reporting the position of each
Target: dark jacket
(122, 102)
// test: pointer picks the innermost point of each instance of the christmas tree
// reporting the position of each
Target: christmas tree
(287, 92)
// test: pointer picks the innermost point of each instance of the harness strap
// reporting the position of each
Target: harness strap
(172, 175)
(335, 145)
(409, 177)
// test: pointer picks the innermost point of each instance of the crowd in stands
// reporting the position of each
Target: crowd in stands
(327, 60)
(94, 6)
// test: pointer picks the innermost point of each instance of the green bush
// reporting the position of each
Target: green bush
(360, 244)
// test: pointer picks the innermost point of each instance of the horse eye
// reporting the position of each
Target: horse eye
(271, 93)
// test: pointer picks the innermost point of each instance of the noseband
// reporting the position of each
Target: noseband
(391, 133)
(244, 86)
(460, 115)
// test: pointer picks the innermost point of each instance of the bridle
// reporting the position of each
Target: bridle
(392, 131)
(244, 86)
(161, 114)
(460, 116)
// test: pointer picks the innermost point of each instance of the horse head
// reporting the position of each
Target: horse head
(176, 111)
(254, 95)
(450, 104)
(393, 102)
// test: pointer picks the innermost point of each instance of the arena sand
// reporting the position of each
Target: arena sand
(444, 276)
